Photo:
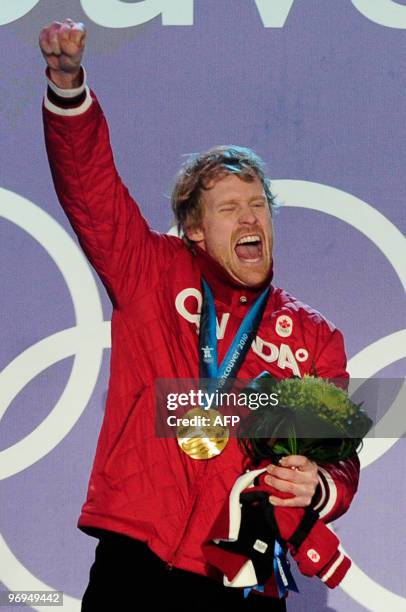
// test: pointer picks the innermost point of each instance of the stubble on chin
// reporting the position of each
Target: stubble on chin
(249, 278)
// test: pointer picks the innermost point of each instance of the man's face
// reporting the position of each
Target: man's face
(236, 228)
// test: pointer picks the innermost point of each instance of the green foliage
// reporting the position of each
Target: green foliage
(314, 418)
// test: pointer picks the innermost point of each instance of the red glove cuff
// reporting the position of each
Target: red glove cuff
(317, 550)
(335, 571)
(319, 554)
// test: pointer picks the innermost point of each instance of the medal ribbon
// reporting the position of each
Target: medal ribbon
(283, 575)
(208, 358)
(284, 578)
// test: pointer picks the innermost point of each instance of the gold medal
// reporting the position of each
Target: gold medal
(202, 434)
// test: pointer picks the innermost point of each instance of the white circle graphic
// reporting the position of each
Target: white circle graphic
(366, 364)
(350, 209)
(86, 341)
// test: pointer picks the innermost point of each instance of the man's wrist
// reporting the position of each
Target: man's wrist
(65, 80)
(77, 85)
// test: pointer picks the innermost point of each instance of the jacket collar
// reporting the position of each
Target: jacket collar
(223, 286)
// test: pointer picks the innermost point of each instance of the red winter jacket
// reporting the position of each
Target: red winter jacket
(141, 485)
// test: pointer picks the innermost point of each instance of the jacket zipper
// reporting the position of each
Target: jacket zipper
(189, 512)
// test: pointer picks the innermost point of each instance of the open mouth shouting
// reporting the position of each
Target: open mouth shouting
(249, 248)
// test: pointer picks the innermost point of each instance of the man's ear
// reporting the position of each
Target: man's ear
(195, 234)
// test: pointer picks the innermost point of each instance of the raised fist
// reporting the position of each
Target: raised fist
(62, 45)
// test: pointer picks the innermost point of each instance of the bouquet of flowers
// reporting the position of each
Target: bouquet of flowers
(250, 538)
(313, 417)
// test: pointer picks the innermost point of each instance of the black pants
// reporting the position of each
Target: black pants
(126, 576)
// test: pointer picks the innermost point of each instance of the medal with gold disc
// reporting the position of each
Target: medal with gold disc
(204, 436)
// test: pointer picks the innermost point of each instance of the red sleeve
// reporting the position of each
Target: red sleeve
(338, 483)
(125, 252)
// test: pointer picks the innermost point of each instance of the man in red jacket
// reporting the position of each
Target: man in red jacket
(198, 307)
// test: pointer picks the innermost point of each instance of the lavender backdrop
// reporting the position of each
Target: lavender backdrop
(322, 100)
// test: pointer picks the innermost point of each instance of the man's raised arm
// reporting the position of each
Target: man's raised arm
(126, 254)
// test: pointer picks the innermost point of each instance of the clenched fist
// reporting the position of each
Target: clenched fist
(62, 45)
